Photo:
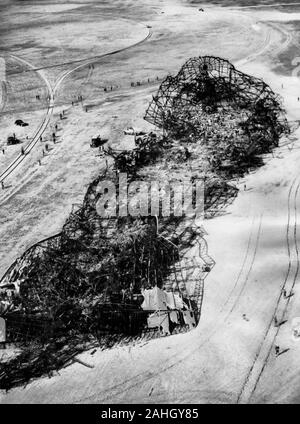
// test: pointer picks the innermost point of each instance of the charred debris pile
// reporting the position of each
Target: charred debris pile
(83, 289)
(85, 286)
(234, 116)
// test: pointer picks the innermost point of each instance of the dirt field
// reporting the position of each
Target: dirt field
(227, 358)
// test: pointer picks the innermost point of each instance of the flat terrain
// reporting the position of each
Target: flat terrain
(227, 358)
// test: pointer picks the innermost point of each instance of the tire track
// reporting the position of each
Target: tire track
(265, 348)
(53, 91)
(27, 149)
(251, 266)
(285, 308)
(243, 264)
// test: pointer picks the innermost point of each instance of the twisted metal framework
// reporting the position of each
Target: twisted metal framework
(205, 84)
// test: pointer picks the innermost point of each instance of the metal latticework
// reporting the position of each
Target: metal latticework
(206, 84)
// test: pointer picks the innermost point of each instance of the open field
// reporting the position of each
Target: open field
(49, 49)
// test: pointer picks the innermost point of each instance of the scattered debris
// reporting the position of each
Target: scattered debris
(235, 115)
(132, 131)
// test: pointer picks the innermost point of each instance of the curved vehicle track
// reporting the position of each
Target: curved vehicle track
(266, 346)
(19, 159)
(52, 91)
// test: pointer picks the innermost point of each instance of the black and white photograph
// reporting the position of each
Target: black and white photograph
(149, 199)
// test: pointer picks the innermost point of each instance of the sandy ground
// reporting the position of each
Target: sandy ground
(228, 358)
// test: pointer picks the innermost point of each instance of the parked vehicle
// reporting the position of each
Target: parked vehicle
(21, 123)
(98, 141)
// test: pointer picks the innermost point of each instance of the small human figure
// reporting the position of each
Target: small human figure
(245, 187)
(3, 151)
(284, 294)
(2, 185)
(245, 317)
(277, 350)
(56, 126)
(40, 163)
(46, 147)
(41, 138)
(60, 115)
(43, 152)
(275, 322)
(22, 151)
